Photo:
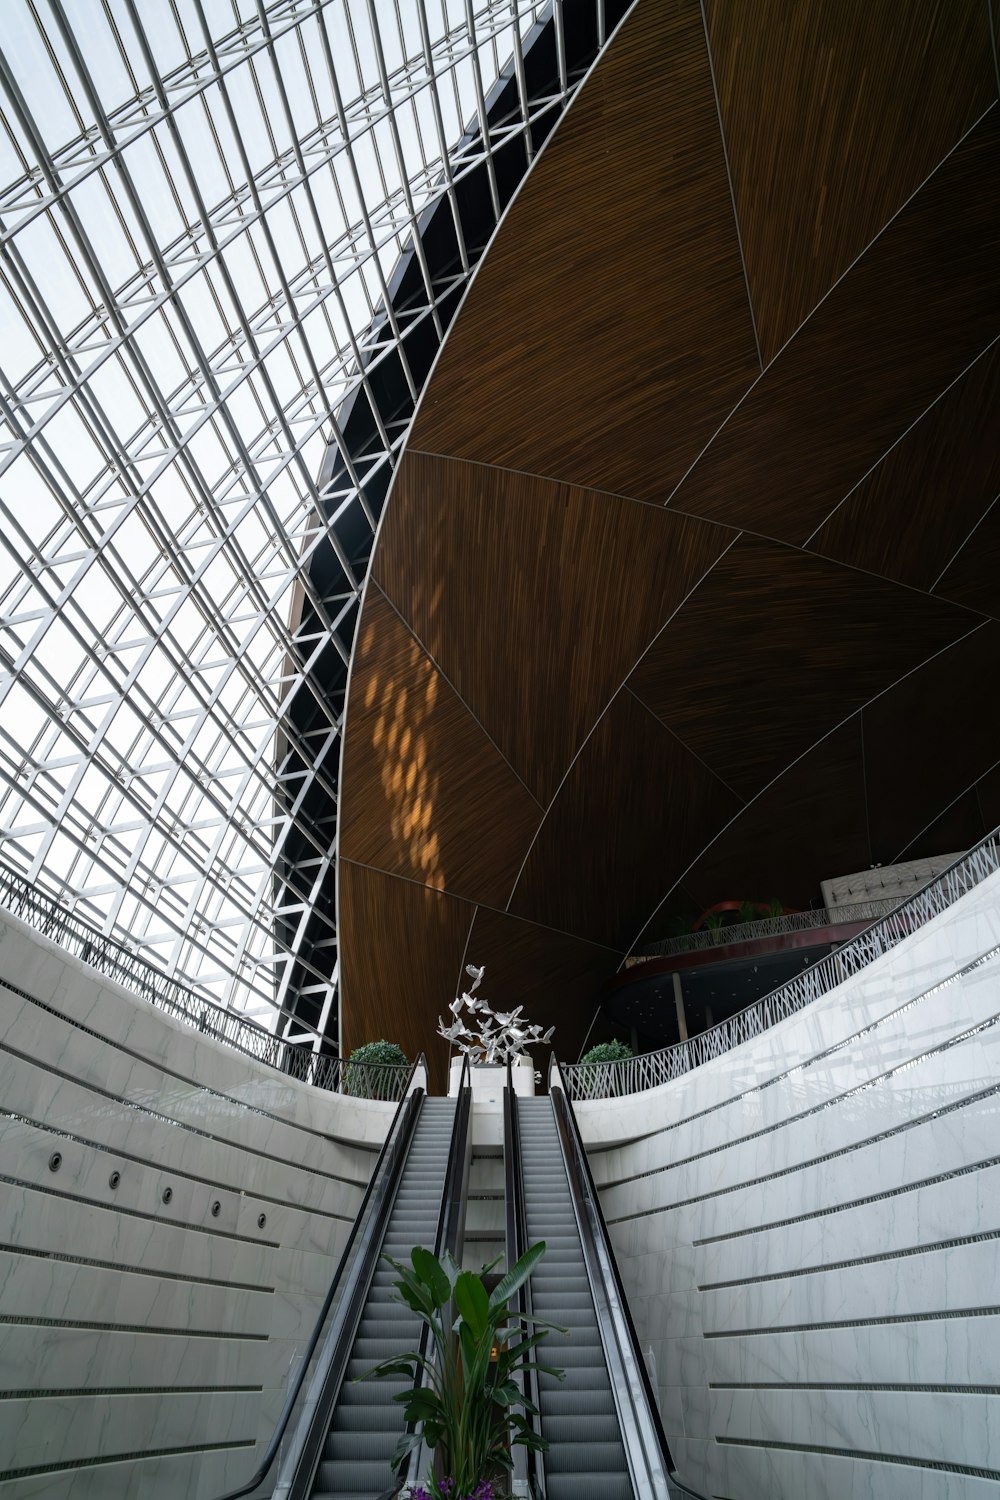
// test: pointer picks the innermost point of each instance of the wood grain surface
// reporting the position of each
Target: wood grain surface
(608, 330)
(426, 794)
(535, 598)
(833, 115)
(661, 627)
(972, 576)
(808, 823)
(921, 503)
(928, 739)
(775, 648)
(632, 780)
(400, 970)
(917, 308)
(555, 977)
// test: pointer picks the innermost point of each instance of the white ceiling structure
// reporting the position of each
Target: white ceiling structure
(205, 204)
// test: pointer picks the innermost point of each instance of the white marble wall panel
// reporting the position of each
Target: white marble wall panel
(35, 1286)
(57, 1429)
(940, 1144)
(946, 944)
(911, 1424)
(959, 1352)
(60, 1358)
(932, 1023)
(748, 1473)
(814, 1268)
(904, 1097)
(28, 1032)
(37, 966)
(89, 1272)
(166, 1478)
(887, 1227)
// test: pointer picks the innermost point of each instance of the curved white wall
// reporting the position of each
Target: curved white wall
(144, 1345)
(809, 1234)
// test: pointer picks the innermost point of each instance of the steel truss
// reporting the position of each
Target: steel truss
(210, 210)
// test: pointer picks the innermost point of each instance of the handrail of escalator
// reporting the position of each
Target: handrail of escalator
(450, 1226)
(451, 1220)
(642, 1431)
(383, 1180)
(515, 1244)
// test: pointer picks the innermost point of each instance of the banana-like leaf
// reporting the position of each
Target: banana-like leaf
(432, 1273)
(472, 1302)
(517, 1275)
(452, 1269)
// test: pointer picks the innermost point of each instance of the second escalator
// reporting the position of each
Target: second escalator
(585, 1459)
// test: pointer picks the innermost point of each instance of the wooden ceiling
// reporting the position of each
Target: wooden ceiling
(687, 583)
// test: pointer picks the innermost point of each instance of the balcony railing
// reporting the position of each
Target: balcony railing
(764, 927)
(609, 1080)
(43, 912)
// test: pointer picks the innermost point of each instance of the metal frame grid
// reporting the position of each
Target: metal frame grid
(207, 201)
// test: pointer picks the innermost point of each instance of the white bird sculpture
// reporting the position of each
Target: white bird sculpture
(484, 1044)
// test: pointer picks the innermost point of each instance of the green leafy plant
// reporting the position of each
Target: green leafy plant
(367, 1082)
(608, 1052)
(465, 1409)
(713, 924)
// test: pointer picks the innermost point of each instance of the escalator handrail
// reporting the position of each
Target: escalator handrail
(451, 1220)
(515, 1244)
(643, 1437)
(450, 1225)
(385, 1173)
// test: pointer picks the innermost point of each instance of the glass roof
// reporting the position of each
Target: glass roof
(205, 204)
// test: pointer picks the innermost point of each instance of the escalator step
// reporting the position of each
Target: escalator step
(351, 1447)
(566, 1401)
(587, 1458)
(368, 1477)
(580, 1485)
(582, 1428)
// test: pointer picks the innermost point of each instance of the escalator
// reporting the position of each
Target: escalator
(366, 1422)
(600, 1423)
(336, 1434)
(586, 1459)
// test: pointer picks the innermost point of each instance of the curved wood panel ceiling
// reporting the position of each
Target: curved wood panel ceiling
(685, 586)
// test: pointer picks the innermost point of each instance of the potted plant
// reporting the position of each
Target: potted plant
(466, 1409)
(367, 1082)
(608, 1052)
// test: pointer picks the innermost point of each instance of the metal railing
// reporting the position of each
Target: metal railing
(528, 1468)
(764, 927)
(611, 1080)
(18, 895)
(347, 1289)
(642, 1434)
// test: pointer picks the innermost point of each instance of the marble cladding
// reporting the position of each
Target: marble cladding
(810, 1238)
(153, 1311)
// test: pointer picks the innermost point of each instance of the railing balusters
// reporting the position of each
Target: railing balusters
(607, 1080)
(386, 1081)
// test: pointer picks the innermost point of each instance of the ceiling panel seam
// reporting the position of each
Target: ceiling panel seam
(467, 901)
(445, 678)
(901, 438)
(855, 713)
(580, 748)
(729, 180)
(843, 275)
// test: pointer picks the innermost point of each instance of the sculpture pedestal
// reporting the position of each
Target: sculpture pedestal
(488, 1082)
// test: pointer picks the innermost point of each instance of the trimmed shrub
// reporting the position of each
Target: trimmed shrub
(608, 1052)
(368, 1082)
